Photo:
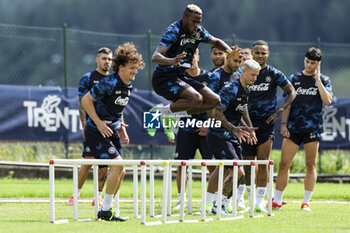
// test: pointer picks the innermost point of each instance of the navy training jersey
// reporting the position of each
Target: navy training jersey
(88, 81)
(263, 93)
(111, 95)
(178, 41)
(235, 99)
(306, 110)
(220, 78)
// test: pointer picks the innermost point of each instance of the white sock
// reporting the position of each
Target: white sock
(307, 196)
(165, 110)
(79, 190)
(248, 188)
(240, 192)
(210, 198)
(107, 202)
(278, 197)
(99, 194)
(179, 195)
(228, 202)
(215, 196)
(260, 195)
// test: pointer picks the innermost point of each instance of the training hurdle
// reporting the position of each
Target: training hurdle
(167, 180)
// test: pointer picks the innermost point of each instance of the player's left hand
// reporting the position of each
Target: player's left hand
(123, 134)
(272, 118)
(202, 131)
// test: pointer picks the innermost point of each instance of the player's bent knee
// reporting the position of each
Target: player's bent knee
(196, 99)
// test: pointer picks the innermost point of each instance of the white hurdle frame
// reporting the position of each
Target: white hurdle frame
(167, 182)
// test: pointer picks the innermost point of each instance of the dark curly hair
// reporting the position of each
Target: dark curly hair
(313, 54)
(126, 53)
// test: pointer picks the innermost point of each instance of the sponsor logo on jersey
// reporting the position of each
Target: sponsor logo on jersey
(260, 87)
(121, 101)
(185, 41)
(309, 91)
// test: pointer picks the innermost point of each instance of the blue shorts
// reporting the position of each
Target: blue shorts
(299, 138)
(264, 133)
(171, 84)
(97, 146)
(187, 143)
(224, 149)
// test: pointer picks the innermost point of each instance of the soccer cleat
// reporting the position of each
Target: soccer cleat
(177, 206)
(275, 206)
(99, 202)
(168, 125)
(70, 201)
(229, 209)
(260, 209)
(110, 215)
(283, 202)
(208, 208)
(305, 207)
(240, 205)
(224, 211)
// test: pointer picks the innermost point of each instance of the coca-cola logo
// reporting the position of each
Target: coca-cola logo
(309, 91)
(260, 87)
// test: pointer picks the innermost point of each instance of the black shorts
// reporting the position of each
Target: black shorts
(187, 143)
(99, 166)
(299, 138)
(97, 146)
(264, 133)
(171, 84)
(224, 149)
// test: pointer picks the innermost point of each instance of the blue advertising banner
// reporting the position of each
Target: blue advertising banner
(30, 113)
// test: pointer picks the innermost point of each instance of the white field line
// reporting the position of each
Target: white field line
(129, 200)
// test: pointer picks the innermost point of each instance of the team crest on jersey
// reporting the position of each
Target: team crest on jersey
(268, 79)
(182, 84)
(197, 36)
(111, 150)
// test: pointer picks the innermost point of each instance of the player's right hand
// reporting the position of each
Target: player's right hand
(179, 58)
(104, 129)
(241, 134)
(284, 131)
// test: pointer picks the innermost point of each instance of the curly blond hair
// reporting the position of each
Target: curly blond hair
(126, 53)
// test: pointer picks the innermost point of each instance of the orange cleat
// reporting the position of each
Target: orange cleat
(70, 201)
(276, 206)
(99, 202)
(305, 207)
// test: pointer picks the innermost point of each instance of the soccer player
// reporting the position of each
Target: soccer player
(218, 58)
(302, 123)
(105, 103)
(190, 139)
(263, 113)
(104, 62)
(215, 82)
(174, 55)
(225, 141)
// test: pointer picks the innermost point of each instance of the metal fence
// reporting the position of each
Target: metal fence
(60, 56)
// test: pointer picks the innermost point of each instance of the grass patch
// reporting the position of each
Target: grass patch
(35, 218)
(39, 188)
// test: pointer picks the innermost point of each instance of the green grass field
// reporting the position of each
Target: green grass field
(34, 217)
